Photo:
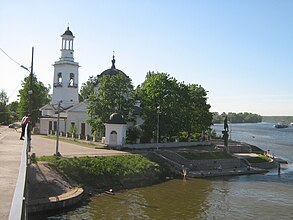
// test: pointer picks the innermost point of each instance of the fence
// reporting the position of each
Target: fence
(18, 208)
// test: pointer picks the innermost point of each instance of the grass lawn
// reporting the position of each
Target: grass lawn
(78, 142)
(122, 165)
(259, 159)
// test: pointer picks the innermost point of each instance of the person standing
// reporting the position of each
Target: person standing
(25, 120)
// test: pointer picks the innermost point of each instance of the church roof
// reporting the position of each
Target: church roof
(79, 107)
(68, 32)
(112, 71)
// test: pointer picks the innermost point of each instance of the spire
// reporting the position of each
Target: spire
(67, 32)
(113, 61)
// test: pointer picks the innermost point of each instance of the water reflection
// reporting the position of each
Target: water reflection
(176, 199)
(241, 199)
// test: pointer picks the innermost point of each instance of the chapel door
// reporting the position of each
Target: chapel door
(113, 138)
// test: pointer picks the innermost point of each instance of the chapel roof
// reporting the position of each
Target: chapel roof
(116, 118)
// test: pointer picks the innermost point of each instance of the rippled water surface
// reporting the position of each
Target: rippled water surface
(266, 196)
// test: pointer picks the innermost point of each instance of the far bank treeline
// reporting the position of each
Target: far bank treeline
(245, 117)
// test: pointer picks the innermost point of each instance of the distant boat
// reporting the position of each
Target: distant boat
(281, 124)
(291, 123)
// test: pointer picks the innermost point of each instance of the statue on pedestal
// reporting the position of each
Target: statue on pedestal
(225, 138)
(226, 127)
(225, 132)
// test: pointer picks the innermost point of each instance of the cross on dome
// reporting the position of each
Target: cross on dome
(113, 61)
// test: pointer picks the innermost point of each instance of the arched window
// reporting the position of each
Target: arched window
(59, 78)
(71, 80)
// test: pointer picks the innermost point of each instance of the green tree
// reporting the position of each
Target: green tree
(161, 90)
(115, 94)
(12, 109)
(199, 118)
(87, 88)
(183, 108)
(217, 119)
(233, 117)
(40, 97)
(3, 107)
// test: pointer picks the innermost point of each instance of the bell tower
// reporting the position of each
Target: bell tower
(65, 82)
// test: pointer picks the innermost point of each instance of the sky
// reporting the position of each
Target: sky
(240, 51)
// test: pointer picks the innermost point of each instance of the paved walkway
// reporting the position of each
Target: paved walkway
(10, 154)
(42, 146)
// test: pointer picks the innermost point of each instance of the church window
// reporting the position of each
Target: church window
(60, 78)
(71, 81)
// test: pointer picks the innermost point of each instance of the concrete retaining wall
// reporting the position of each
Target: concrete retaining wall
(165, 145)
(57, 202)
(196, 165)
(217, 164)
(265, 165)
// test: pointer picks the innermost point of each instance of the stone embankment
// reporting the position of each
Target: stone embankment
(237, 165)
(50, 190)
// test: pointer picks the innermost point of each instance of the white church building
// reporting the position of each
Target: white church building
(65, 104)
(65, 95)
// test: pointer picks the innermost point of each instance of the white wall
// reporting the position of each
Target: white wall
(78, 118)
(120, 130)
(68, 95)
(44, 125)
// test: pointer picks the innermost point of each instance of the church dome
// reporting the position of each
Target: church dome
(68, 32)
(112, 71)
(116, 118)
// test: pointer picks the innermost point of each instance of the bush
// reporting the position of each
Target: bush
(133, 133)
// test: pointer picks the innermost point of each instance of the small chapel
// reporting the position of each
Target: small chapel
(65, 108)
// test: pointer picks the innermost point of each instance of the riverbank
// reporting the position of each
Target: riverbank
(56, 183)
(48, 189)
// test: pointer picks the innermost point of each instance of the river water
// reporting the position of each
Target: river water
(261, 196)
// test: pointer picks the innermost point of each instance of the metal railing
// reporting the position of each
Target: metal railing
(19, 206)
